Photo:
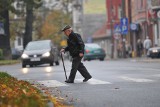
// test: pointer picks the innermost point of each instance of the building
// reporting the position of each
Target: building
(146, 14)
(114, 14)
(139, 17)
(103, 40)
(106, 35)
(153, 16)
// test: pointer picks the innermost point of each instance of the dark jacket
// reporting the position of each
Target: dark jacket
(139, 46)
(75, 44)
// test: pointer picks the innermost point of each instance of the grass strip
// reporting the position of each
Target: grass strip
(8, 62)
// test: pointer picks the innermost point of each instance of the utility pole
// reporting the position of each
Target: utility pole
(111, 27)
(123, 35)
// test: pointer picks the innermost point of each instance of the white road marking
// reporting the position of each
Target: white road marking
(93, 81)
(157, 75)
(52, 83)
(55, 83)
(135, 79)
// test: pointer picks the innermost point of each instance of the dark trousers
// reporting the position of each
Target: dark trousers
(78, 65)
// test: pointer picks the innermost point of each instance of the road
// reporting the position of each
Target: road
(117, 83)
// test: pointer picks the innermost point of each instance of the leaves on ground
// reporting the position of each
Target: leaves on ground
(18, 93)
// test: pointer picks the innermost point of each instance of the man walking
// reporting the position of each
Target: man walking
(147, 44)
(76, 49)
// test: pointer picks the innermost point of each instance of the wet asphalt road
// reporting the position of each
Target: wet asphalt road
(118, 83)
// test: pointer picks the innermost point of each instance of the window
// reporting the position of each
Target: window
(119, 11)
(19, 41)
(141, 4)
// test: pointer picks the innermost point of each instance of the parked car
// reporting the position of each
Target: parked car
(154, 52)
(16, 54)
(93, 51)
(40, 52)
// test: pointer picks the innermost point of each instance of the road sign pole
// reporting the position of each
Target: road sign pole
(111, 27)
(123, 36)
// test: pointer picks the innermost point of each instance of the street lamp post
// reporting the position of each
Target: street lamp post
(111, 27)
(78, 15)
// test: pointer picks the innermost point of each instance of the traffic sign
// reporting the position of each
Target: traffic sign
(158, 14)
(2, 29)
(89, 39)
(117, 29)
(124, 25)
(63, 43)
(133, 26)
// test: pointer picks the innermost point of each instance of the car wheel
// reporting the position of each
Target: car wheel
(101, 59)
(152, 57)
(23, 65)
(57, 62)
(51, 64)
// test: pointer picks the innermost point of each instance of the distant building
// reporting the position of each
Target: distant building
(100, 37)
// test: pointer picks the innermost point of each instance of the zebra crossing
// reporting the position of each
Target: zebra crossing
(93, 81)
(55, 83)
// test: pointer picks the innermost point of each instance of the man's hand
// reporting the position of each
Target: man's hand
(62, 50)
(81, 54)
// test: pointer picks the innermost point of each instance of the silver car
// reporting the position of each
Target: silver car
(154, 52)
(40, 52)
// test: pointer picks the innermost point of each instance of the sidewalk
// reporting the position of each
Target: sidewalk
(145, 59)
(142, 59)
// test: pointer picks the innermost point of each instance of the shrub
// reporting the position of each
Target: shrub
(1, 54)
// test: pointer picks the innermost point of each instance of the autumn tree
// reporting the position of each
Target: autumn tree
(53, 24)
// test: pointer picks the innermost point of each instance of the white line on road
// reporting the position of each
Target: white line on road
(156, 75)
(93, 81)
(52, 83)
(135, 79)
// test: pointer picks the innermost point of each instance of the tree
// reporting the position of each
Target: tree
(52, 25)
(5, 6)
(67, 5)
(30, 6)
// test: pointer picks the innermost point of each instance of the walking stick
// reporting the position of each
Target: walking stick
(64, 66)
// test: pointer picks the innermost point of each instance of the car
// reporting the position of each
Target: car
(16, 54)
(40, 52)
(93, 51)
(154, 52)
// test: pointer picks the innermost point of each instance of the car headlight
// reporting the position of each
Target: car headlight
(155, 50)
(47, 54)
(24, 56)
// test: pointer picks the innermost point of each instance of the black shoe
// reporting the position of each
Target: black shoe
(86, 79)
(69, 81)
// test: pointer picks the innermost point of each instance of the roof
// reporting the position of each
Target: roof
(100, 33)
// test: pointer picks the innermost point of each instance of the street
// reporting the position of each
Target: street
(115, 83)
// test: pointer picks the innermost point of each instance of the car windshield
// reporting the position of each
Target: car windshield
(92, 46)
(38, 45)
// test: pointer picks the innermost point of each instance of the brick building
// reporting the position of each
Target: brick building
(105, 35)
(145, 14)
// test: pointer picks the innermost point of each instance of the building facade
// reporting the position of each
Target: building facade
(153, 20)
(114, 14)
(146, 14)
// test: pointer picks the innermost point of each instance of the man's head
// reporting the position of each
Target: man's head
(67, 30)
